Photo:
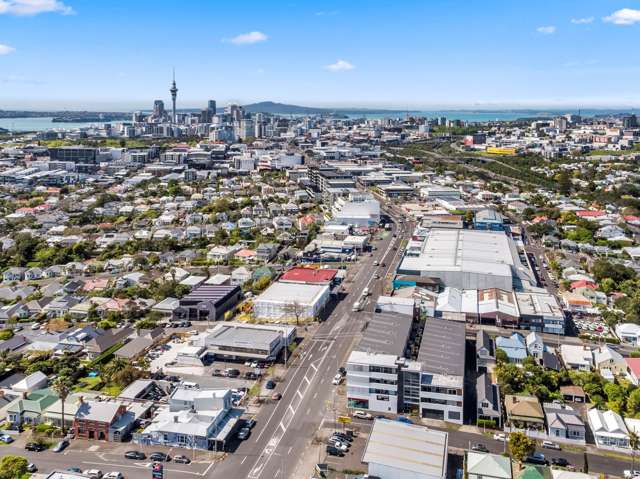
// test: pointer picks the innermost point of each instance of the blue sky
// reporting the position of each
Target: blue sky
(118, 54)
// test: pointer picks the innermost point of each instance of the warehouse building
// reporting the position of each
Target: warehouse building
(291, 301)
(469, 259)
(396, 450)
(241, 341)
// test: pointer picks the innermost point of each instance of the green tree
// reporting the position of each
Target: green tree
(12, 467)
(564, 183)
(6, 334)
(633, 403)
(62, 387)
(520, 446)
(633, 443)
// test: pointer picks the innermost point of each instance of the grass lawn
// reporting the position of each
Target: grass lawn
(88, 384)
(111, 390)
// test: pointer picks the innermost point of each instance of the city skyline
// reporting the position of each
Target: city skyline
(405, 55)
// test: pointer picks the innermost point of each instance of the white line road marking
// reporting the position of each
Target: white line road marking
(298, 391)
(289, 451)
(314, 367)
(277, 473)
(245, 458)
(293, 411)
(284, 429)
(307, 379)
(308, 411)
(141, 467)
(315, 395)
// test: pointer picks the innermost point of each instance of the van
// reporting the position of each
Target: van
(356, 306)
(190, 385)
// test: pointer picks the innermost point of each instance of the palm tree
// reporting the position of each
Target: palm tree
(634, 442)
(62, 387)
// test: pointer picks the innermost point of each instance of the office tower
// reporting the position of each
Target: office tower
(174, 93)
(158, 108)
(212, 107)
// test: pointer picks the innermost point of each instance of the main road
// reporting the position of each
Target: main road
(285, 429)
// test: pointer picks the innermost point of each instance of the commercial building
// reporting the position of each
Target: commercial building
(469, 259)
(380, 377)
(540, 311)
(488, 219)
(304, 275)
(291, 301)
(442, 359)
(396, 450)
(247, 341)
(209, 302)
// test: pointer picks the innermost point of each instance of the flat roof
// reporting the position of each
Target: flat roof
(442, 350)
(241, 335)
(386, 333)
(446, 249)
(304, 294)
(309, 275)
(407, 447)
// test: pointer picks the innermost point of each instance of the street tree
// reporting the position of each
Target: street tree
(521, 446)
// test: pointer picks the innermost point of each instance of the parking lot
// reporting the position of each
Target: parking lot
(592, 325)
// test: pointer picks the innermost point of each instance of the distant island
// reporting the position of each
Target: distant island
(67, 116)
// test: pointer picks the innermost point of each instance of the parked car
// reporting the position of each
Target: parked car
(232, 372)
(61, 446)
(550, 445)
(337, 379)
(34, 447)
(562, 462)
(342, 436)
(479, 448)
(138, 455)
(244, 433)
(77, 470)
(338, 445)
(362, 415)
(276, 396)
(270, 384)
(334, 451)
(537, 459)
(31, 467)
(160, 457)
(628, 474)
(405, 420)
(113, 475)
(249, 423)
(180, 459)
(6, 439)
(93, 474)
(342, 371)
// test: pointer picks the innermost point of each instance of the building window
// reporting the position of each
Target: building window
(455, 415)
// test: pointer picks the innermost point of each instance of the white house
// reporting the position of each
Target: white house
(608, 429)
(576, 357)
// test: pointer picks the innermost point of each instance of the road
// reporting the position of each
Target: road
(285, 429)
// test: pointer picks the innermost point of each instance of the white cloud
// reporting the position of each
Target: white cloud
(6, 49)
(624, 16)
(582, 21)
(34, 7)
(249, 38)
(546, 30)
(340, 66)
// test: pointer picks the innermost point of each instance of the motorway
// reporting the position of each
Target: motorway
(284, 430)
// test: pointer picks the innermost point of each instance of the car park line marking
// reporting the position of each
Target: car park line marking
(293, 411)
(142, 467)
(314, 367)
(244, 459)
(289, 451)
(307, 379)
(298, 391)
(315, 395)
(283, 427)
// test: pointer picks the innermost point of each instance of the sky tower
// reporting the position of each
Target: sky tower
(174, 93)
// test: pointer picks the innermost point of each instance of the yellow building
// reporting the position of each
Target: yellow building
(501, 150)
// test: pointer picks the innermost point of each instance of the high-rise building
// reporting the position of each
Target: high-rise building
(174, 93)
(158, 108)
(211, 106)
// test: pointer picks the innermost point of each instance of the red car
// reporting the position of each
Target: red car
(276, 396)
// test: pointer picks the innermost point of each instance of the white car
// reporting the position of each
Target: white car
(113, 475)
(550, 445)
(629, 474)
(337, 379)
(362, 415)
(500, 436)
(93, 474)
(339, 445)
